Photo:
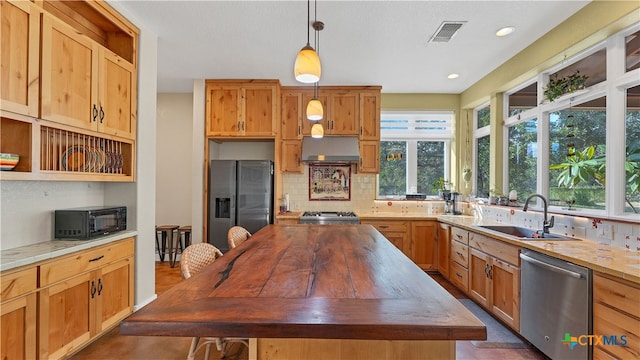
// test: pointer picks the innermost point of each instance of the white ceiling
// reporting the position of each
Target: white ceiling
(363, 43)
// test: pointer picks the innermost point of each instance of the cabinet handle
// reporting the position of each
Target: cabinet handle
(486, 270)
(101, 114)
(491, 272)
(238, 125)
(95, 112)
(93, 289)
(243, 126)
(96, 259)
(458, 275)
(360, 130)
(299, 129)
(459, 236)
(99, 286)
(459, 254)
(383, 226)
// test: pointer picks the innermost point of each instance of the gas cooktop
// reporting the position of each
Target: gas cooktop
(329, 217)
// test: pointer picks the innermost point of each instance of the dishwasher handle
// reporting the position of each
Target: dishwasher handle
(551, 267)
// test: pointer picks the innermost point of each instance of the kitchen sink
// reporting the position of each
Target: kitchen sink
(524, 233)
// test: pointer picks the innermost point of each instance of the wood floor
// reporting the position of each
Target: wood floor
(114, 346)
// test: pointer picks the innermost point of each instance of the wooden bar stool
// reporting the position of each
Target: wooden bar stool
(164, 237)
(186, 231)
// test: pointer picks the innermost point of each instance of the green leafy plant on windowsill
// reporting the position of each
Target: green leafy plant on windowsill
(565, 85)
(586, 165)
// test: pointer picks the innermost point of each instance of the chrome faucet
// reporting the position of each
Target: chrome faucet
(547, 223)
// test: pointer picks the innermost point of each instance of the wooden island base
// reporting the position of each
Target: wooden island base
(315, 349)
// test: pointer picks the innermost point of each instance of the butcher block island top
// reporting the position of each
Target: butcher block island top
(291, 284)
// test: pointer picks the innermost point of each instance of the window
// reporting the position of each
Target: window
(523, 158)
(577, 149)
(414, 151)
(523, 99)
(482, 141)
(632, 51)
(632, 163)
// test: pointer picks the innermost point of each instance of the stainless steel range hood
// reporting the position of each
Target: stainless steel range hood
(331, 149)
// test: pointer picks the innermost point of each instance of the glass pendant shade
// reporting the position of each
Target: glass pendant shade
(317, 131)
(315, 111)
(307, 67)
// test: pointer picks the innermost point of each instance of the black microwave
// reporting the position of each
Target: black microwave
(89, 222)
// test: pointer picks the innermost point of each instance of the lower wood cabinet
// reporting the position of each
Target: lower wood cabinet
(18, 309)
(82, 295)
(51, 309)
(442, 249)
(395, 231)
(494, 282)
(616, 312)
(422, 244)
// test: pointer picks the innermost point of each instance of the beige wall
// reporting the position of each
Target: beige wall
(174, 158)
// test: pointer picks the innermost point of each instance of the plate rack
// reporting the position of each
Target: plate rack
(71, 152)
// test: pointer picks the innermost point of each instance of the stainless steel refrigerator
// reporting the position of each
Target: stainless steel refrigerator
(240, 193)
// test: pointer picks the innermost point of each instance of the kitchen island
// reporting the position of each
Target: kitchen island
(315, 291)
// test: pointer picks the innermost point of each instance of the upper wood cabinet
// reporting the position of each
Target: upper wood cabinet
(85, 85)
(242, 108)
(73, 64)
(369, 157)
(344, 116)
(291, 127)
(19, 87)
(369, 115)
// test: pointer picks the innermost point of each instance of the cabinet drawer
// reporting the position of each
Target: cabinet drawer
(388, 226)
(67, 266)
(496, 248)
(459, 276)
(460, 235)
(617, 294)
(609, 322)
(460, 253)
(19, 282)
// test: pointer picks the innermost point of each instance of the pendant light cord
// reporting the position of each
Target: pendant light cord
(308, 18)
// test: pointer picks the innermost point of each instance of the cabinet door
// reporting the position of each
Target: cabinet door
(292, 116)
(369, 157)
(479, 285)
(259, 112)
(114, 294)
(20, 67)
(343, 119)
(117, 112)
(505, 296)
(290, 156)
(370, 116)
(18, 328)
(443, 249)
(223, 110)
(69, 76)
(423, 244)
(65, 316)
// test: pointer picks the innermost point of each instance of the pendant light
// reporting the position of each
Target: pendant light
(317, 131)
(315, 112)
(307, 67)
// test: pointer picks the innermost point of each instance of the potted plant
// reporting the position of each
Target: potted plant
(440, 186)
(565, 85)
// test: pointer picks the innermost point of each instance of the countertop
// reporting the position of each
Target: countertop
(310, 281)
(607, 259)
(30, 254)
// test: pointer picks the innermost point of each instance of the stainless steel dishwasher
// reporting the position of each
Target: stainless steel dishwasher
(555, 300)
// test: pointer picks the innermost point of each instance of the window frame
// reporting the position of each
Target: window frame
(412, 143)
(614, 90)
(477, 134)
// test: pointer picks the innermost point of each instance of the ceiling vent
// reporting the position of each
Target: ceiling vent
(446, 31)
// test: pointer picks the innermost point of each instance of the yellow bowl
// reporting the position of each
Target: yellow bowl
(8, 161)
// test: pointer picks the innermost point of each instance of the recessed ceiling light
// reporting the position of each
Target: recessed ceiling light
(452, 76)
(505, 31)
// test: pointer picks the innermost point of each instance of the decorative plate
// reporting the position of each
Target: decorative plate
(75, 158)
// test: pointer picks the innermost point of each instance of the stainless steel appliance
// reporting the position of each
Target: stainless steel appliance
(86, 223)
(451, 203)
(240, 193)
(329, 217)
(555, 300)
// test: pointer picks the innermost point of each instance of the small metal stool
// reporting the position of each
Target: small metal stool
(186, 230)
(164, 236)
